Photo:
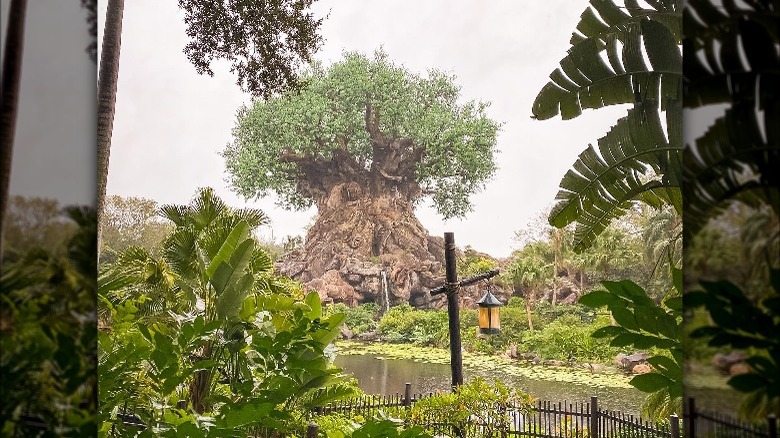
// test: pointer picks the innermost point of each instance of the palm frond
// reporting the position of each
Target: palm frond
(585, 80)
(206, 207)
(733, 59)
(634, 162)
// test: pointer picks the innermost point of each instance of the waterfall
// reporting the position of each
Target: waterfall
(386, 290)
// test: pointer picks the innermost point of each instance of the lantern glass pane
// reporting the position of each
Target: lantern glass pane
(495, 321)
(484, 317)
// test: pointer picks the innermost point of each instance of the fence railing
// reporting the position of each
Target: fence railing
(546, 419)
(702, 423)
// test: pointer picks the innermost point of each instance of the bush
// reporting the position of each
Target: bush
(360, 319)
(403, 323)
(568, 338)
(478, 408)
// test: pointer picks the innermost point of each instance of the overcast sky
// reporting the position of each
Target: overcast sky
(171, 123)
(54, 145)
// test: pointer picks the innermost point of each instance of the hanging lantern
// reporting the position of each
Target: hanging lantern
(489, 321)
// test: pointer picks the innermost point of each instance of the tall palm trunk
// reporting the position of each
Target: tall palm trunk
(107, 84)
(12, 70)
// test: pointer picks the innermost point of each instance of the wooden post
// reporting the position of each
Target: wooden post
(456, 358)
(691, 423)
(312, 430)
(674, 420)
(771, 420)
(594, 417)
(408, 394)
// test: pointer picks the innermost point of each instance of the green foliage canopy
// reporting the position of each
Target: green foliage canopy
(368, 121)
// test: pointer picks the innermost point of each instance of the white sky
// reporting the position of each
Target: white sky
(171, 123)
(54, 144)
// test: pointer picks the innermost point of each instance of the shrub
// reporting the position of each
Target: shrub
(403, 323)
(360, 319)
(478, 408)
(568, 338)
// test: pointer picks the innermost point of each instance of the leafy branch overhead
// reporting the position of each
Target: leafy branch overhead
(639, 159)
(266, 44)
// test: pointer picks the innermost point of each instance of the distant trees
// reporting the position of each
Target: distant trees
(36, 222)
(131, 221)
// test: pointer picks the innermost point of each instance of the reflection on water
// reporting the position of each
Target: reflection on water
(380, 376)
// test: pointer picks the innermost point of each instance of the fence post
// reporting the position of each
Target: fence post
(594, 417)
(674, 420)
(691, 418)
(408, 394)
(312, 430)
(772, 425)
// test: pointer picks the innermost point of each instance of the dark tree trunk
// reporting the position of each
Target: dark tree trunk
(9, 103)
(107, 85)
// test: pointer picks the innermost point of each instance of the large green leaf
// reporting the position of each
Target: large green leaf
(651, 382)
(631, 164)
(229, 302)
(736, 63)
(586, 79)
(237, 236)
(731, 162)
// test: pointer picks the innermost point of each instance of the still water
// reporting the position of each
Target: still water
(388, 376)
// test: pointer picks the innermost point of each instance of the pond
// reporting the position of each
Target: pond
(386, 368)
(380, 374)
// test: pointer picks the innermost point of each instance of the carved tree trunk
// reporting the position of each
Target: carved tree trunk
(366, 248)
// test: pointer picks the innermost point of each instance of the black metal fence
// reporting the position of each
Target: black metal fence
(546, 419)
(702, 423)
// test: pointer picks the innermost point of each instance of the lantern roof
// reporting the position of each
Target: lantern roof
(489, 300)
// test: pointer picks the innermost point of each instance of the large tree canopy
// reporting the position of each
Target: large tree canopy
(370, 122)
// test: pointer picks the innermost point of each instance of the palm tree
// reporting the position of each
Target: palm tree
(9, 101)
(662, 237)
(529, 271)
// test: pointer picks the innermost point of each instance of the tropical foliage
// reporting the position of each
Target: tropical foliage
(47, 330)
(639, 159)
(731, 168)
(644, 325)
(477, 408)
(219, 341)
